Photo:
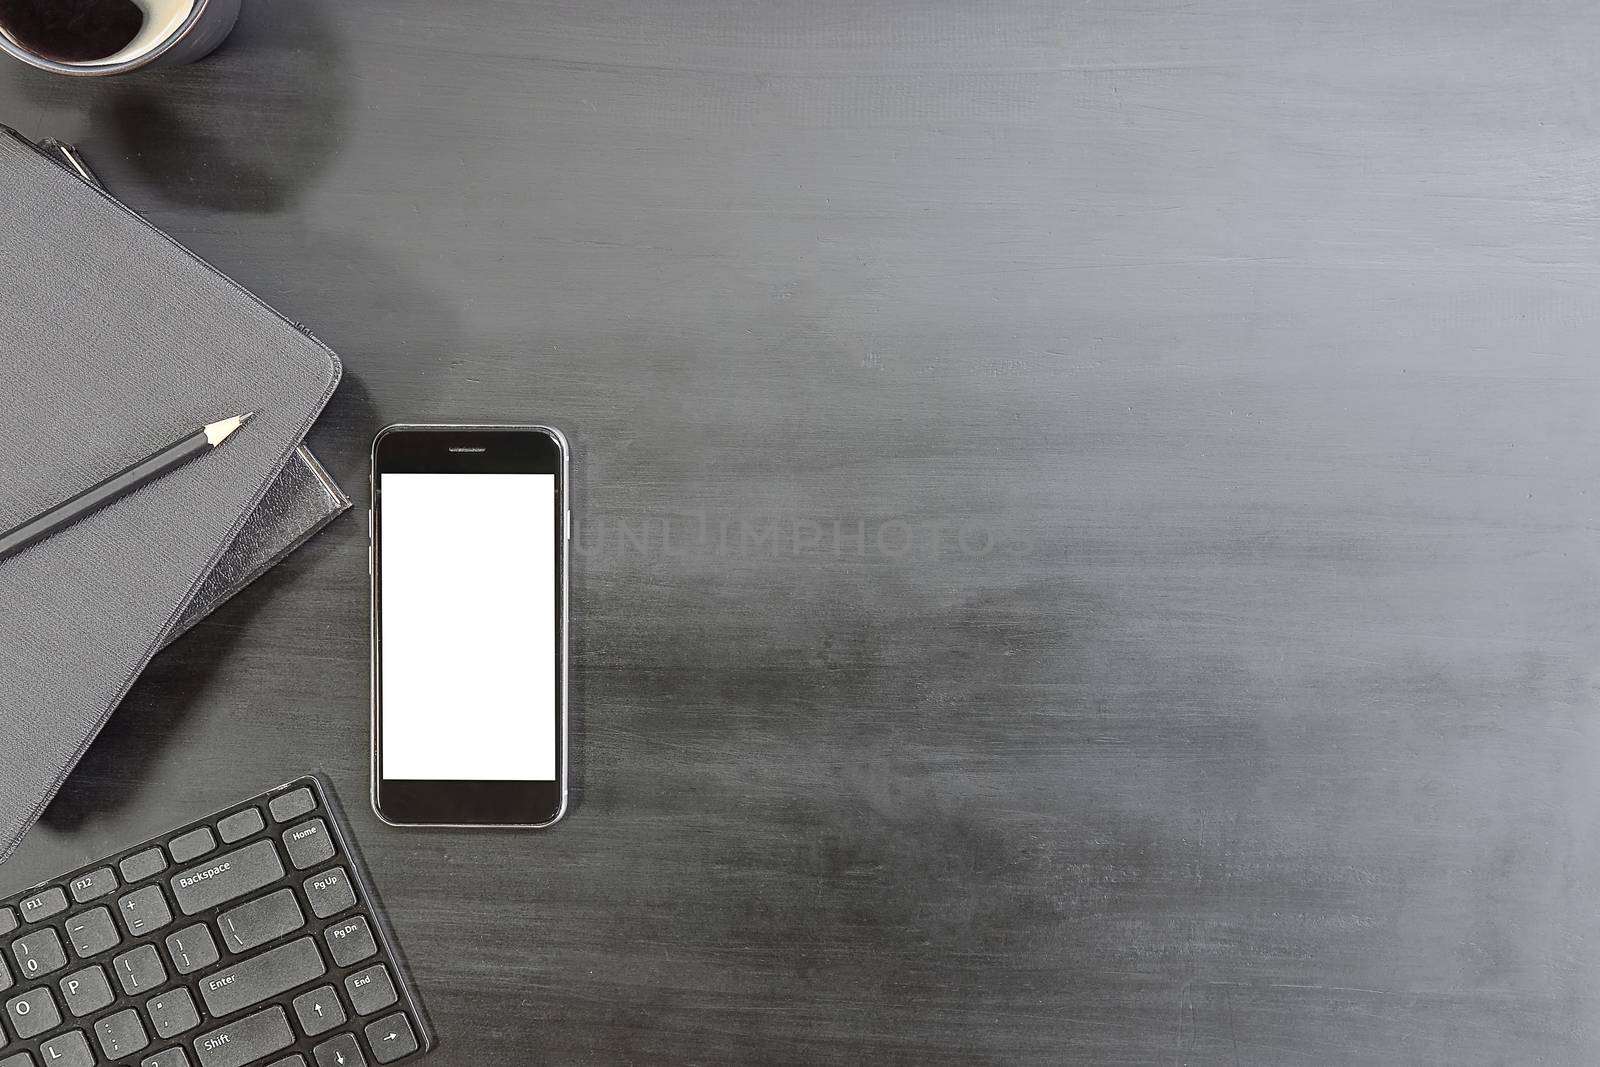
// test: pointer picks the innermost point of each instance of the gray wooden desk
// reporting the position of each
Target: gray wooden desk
(1086, 512)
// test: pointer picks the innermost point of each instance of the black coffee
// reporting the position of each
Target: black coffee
(72, 31)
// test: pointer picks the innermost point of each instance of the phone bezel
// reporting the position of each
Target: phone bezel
(468, 449)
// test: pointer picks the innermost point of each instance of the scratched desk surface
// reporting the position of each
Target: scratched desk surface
(1086, 538)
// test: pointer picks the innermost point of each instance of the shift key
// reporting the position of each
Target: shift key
(250, 981)
(227, 877)
(245, 1040)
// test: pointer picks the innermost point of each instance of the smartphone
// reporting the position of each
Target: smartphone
(469, 532)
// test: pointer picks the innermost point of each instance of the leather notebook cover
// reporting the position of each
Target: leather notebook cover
(302, 499)
(114, 342)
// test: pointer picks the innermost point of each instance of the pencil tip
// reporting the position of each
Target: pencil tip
(218, 432)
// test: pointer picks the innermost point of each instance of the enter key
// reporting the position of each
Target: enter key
(259, 978)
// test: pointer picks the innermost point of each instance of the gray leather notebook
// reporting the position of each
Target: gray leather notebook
(115, 341)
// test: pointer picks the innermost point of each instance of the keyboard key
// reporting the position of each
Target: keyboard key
(38, 953)
(250, 981)
(227, 877)
(308, 844)
(32, 1013)
(245, 1041)
(192, 948)
(5, 976)
(93, 885)
(329, 892)
(139, 971)
(319, 1010)
(370, 990)
(172, 1012)
(121, 1034)
(292, 805)
(92, 933)
(144, 910)
(296, 1060)
(391, 1038)
(70, 1049)
(342, 1051)
(44, 904)
(192, 845)
(240, 825)
(141, 865)
(350, 941)
(172, 1057)
(21, 1059)
(86, 992)
(260, 921)
(8, 921)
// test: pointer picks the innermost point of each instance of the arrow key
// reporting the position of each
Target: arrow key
(342, 1051)
(319, 1010)
(391, 1038)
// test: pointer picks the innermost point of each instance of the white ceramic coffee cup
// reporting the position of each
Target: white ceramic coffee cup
(174, 32)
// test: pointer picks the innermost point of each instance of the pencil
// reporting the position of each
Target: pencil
(119, 485)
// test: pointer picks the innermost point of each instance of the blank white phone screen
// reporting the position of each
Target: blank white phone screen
(468, 627)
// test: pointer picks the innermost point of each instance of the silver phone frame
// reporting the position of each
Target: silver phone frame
(565, 551)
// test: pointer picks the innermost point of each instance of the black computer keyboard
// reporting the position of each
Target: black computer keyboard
(249, 937)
